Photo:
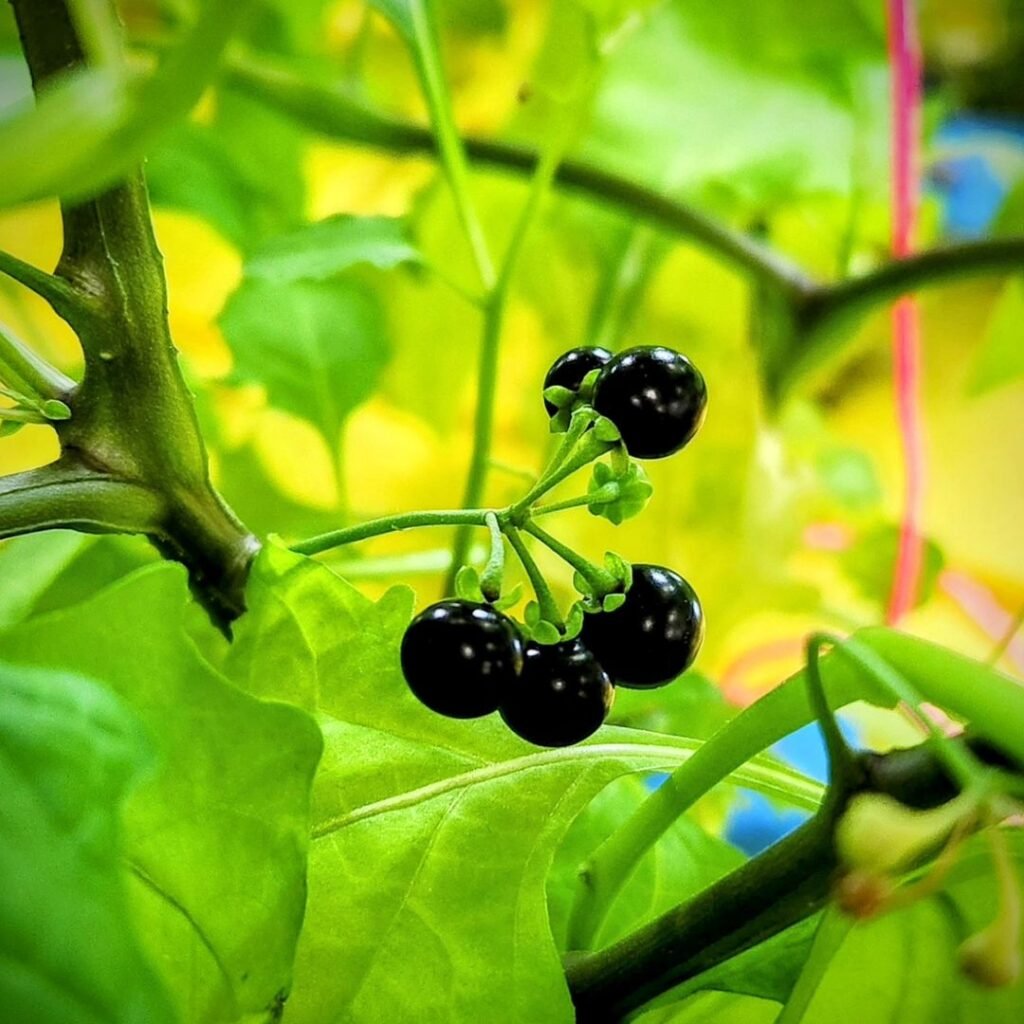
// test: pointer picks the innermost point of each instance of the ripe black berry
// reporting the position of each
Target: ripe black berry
(459, 657)
(568, 370)
(656, 397)
(654, 635)
(561, 697)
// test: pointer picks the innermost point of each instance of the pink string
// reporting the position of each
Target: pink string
(905, 65)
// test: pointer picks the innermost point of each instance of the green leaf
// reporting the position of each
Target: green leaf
(1001, 358)
(69, 754)
(216, 840)
(467, 584)
(91, 126)
(683, 862)
(432, 837)
(328, 247)
(869, 563)
(317, 347)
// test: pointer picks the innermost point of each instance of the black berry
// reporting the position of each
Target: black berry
(654, 635)
(568, 370)
(561, 696)
(459, 657)
(656, 397)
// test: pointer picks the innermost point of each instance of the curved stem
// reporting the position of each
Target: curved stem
(600, 581)
(494, 572)
(548, 606)
(391, 524)
(329, 110)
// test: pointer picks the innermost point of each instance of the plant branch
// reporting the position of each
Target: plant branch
(600, 581)
(391, 524)
(133, 420)
(328, 109)
(69, 304)
(545, 599)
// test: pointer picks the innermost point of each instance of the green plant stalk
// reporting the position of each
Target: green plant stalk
(589, 449)
(545, 599)
(940, 676)
(487, 382)
(392, 524)
(602, 582)
(65, 301)
(427, 53)
(133, 420)
(788, 882)
(609, 492)
(330, 111)
(29, 373)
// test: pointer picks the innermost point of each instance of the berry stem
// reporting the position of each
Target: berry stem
(609, 492)
(494, 571)
(601, 582)
(561, 468)
(392, 524)
(548, 606)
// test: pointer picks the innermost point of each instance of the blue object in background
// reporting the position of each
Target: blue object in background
(754, 823)
(977, 161)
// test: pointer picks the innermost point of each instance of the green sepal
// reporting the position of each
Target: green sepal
(634, 491)
(582, 584)
(605, 430)
(620, 569)
(55, 409)
(8, 427)
(560, 421)
(573, 622)
(559, 397)
(545, 633)
(510, 599)
(586, 391)
(613, 601)
(467, 585)
(531, 616)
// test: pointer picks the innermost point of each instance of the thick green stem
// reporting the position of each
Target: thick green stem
(133, 419)
(392, 524)
(785, 884)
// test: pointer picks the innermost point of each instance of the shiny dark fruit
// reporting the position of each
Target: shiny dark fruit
(652, 637)
(568, 370)
(655, 396)
(459, 657)
(561, 696)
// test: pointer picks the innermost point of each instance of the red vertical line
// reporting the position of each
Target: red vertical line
(905, 68)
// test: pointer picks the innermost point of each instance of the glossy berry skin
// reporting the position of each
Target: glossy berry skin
(654, 635)
(458, 657)
(561, 697)
(568, 370)
(656, 397)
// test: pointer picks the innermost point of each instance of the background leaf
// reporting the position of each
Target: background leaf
(69, 754)
(216, 839)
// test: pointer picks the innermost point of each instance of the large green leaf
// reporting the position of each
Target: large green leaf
(216, 839)
(432, 837)
(317, 346)
(328, 247)
(69, 952)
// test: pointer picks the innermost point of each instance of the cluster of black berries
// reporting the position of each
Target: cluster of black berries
(466, 659)
(655, 396)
